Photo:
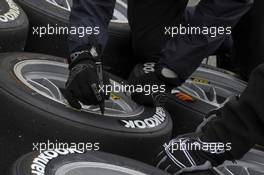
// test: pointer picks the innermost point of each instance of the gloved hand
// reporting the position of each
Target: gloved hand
(83, 82)
(161, 81)
(190, 153)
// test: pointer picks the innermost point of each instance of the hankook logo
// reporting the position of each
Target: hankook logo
(12, 14)
(39, 163)
(151, 122)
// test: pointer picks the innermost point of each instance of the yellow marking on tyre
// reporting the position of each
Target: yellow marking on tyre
(200, 80)
(114, 96)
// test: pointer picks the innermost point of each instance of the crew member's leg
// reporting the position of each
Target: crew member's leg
(147, 19)
(249, 40)
(94, 14)
(184, 53)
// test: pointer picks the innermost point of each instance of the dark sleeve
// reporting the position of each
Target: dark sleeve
(242, 121)
(249, 40)
(184, 53)
(90, 13)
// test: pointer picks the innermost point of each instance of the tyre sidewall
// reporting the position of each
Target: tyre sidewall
(23, 166)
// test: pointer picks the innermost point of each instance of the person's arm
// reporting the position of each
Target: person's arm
(184, 53)
(90, 13)
(228, 135)
(85, 62)
(242, 123)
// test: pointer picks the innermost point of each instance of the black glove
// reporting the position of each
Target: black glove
(161, 81)
(190, 153)
(83, 82)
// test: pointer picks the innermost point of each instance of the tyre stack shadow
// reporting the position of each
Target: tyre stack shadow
(14, 27)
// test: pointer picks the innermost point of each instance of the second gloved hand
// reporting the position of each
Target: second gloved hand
(162, 80)
(189, 153)
(80, 86)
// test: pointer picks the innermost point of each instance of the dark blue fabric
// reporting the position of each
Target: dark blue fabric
(184, 53)
(90, 13)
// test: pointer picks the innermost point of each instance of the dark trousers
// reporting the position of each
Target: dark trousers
(147, 19)
(249, 40)
(242, 123)
(243, 120)
(182, 53)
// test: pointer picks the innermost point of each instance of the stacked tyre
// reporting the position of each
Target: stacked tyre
(26, 113)
(13, 27)
(62, 162)
(32, 85)
(13, 35)
(206, 90)
(33, 106)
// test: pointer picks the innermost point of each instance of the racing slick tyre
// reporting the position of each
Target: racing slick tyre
(55, 13)
(207, 90)
(66, 162)
(31, 90)
(62, 162)
(13, 27)
(250, 164)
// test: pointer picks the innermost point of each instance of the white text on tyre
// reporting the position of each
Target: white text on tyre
(39, 163)
(151, 122)
(12, 14)
(149, 67)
